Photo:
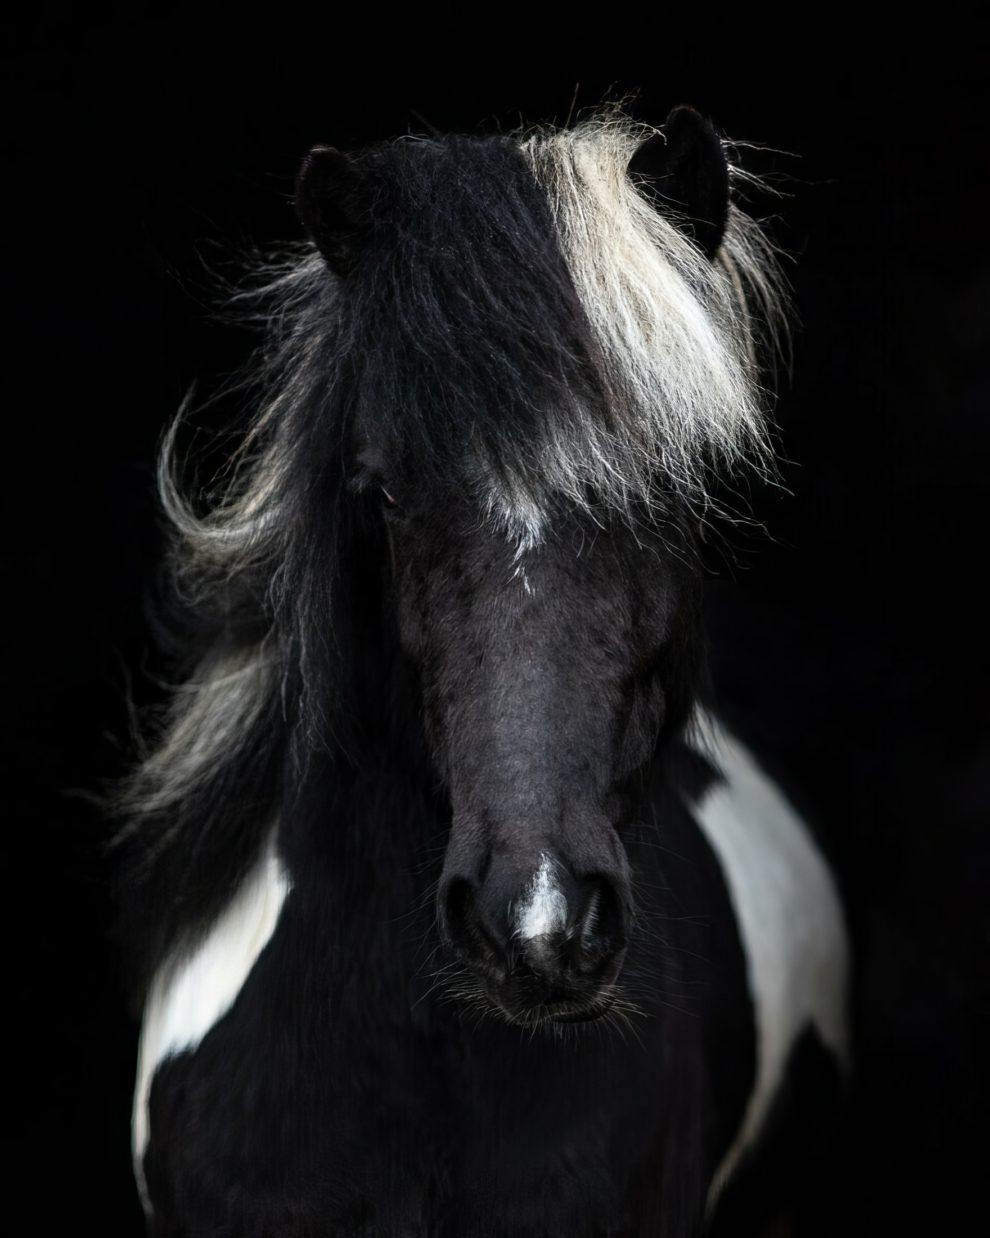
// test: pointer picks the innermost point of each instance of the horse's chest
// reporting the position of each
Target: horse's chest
(316, 1104)
(294, 1078)
(273, 1066)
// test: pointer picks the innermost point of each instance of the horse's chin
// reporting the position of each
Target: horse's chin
(555, 1015)
(532, 1004)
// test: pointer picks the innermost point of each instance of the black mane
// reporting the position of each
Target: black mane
(458, 328)
(461, 330)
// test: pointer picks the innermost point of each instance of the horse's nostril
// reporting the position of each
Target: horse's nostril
(588, 929)
(597, 931)
(465, 928)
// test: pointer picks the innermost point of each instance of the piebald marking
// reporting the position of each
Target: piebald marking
(193, 991)
(789, 917)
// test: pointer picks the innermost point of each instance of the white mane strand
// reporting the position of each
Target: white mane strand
(677, 333)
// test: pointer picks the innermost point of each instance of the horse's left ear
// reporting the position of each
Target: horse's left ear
(685, 166)
(331, 201)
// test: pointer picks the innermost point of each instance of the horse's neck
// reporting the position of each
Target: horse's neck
(370, 816)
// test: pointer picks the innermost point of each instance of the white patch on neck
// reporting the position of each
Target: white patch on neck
(193, 991)
(544, 908)
(789, 917)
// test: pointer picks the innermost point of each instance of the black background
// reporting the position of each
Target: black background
(852, 642)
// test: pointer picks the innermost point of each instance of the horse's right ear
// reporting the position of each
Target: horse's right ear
(331, 200)
(685, 166)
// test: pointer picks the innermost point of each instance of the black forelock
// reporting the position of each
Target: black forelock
(460, 322)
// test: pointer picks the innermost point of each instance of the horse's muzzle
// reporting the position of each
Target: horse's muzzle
(550, 950)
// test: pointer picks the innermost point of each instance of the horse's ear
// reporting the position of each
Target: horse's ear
(331, 200)
(685, 166)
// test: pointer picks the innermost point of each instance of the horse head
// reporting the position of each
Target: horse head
(546, 346)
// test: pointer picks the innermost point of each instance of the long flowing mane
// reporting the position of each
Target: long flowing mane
(528, 329)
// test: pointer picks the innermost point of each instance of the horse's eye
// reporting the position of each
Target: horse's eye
(387, 499)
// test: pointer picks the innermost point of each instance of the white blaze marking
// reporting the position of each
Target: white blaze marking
(790, 921)
(544, 907)
(192, 992)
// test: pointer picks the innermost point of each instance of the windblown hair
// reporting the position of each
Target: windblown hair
(521, 326)
(678, 336)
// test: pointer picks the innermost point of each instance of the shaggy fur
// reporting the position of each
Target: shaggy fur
(677, 335)
(446, 591)
(585, 354)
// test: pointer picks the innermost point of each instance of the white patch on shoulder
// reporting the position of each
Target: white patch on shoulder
(790, 921)
(193, 991)
(543, 909)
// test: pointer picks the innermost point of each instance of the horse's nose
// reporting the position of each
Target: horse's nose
(550, 937)
(563, 926)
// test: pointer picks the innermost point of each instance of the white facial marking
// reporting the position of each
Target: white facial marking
(520, 575)
(789, 917)
(543, 909)
(192, 992)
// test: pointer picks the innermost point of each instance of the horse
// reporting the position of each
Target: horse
(455, 907)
